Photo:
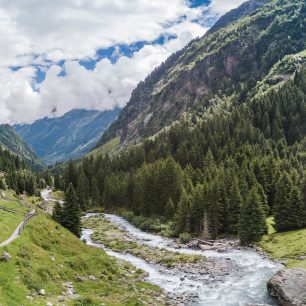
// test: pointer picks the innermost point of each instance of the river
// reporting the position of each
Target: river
(244, 285)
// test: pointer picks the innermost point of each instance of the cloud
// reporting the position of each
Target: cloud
(220, 7)
(39, 34)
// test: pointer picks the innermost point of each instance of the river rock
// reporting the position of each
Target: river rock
(289, 286)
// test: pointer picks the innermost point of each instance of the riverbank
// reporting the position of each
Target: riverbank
(232, 277)
(287, 247)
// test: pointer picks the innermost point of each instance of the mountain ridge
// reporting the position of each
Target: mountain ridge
(12, 142)
(219, 64)
(69, 136)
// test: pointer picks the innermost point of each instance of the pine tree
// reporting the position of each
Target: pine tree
(252, 223)
(83, 191)
(170, 209)
(71, 212)
(282, 203)
(58, 184)
(71, 175)
(95, 193)
(57, 213)
(182, 217)
(234, 206)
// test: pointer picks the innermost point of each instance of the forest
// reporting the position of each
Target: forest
(223, 175)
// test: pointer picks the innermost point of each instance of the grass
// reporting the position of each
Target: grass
(289, 247)
(8, 224)
(108, 148)
(57, 195)
(46, 255)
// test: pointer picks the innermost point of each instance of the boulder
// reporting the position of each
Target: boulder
(5, 257)
(289, 287)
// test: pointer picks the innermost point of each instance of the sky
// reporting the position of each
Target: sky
(64, 54)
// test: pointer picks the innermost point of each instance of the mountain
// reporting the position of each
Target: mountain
(69, 136)
(233, 152)
(229, 59)
(14, 143)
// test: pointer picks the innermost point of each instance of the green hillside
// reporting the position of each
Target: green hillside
(46, 256)
(14, 143)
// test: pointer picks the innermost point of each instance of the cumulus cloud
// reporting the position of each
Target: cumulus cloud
(38, 33)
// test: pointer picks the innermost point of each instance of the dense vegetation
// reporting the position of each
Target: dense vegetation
(224, 175)
(14, 143)
(15, 174)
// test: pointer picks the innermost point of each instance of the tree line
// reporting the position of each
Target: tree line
(223, 175)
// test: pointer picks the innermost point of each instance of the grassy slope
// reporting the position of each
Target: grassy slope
(46, 255)
(8, 223)
(287, 246)
(8, 220)
(108, 148)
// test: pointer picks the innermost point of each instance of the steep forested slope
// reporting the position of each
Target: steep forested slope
(14, 143)
(222, 63)
(69, 136)
(236, 157)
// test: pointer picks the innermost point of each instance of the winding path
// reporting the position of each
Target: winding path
(19, 229)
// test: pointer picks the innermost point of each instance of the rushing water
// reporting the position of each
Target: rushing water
(244, 286)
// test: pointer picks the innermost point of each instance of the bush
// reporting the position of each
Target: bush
(185, 238)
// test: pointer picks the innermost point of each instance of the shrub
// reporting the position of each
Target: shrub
(185, 238)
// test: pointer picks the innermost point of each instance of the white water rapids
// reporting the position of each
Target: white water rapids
(245, 285)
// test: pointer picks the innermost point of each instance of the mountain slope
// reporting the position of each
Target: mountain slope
(214, 67)
(14, 143)
(69, 136)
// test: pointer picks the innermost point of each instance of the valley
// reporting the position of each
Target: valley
(188, 189)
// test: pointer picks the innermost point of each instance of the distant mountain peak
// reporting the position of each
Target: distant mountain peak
(70, 136)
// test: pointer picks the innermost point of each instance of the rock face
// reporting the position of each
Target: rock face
(289, 286)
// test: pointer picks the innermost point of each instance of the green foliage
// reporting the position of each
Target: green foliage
(241, 136)
(69, 215)
(185, 238)
(252, 221)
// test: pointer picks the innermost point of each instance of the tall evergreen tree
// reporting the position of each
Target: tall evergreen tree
(252, 220)
(71, 212)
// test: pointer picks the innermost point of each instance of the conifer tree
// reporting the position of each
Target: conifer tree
(71, 175)
(170, 209)
(83, 191)
(71, 212)
(282, 203)
(252, 223)
(182, 217)
(234, 207)
(57, 213)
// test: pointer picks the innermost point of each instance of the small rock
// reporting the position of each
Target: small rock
(5, 257)
(42, 292)
(92, 278)
(49, 304)
(61, 298)
(70, 291)
(80, 278)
